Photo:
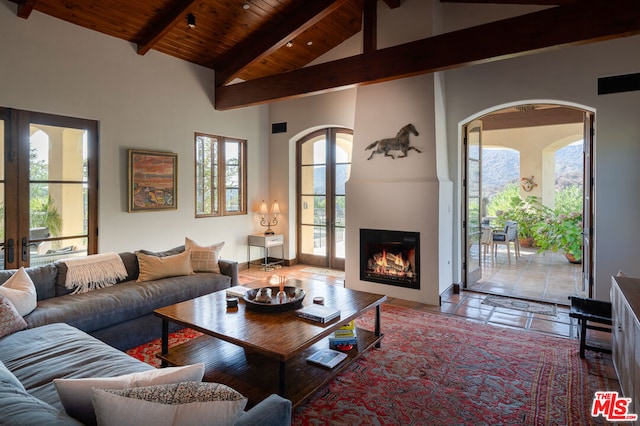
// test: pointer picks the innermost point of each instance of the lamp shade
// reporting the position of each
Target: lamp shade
(263, 208)
(275, 208)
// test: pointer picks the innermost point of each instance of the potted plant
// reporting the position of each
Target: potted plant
(529, 214)
(562, 232)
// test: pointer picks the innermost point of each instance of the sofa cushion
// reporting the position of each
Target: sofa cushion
(19, 408)
(19, 289)
(155, 267)
(43, 278)
(10, 320)
(109, 306)
(204, 258)
(75, 394)
(37, 356)
(8, 377)
(187, 403)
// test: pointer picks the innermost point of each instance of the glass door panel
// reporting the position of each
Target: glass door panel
(342, 170)
(58, 193)
(3, 132)
(48, 187)
(473, 220)
(324, 162)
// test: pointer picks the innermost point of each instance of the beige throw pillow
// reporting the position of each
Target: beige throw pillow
(153, 267)
(204, 258)
(75, 394)
(180, 404)
(19, 289)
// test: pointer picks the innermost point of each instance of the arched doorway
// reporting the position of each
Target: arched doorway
(323, 168)
(535, 199)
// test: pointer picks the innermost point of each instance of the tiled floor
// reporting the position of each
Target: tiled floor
(467, 305)
(544, 276)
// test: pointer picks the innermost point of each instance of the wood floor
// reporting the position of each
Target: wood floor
(467, 305)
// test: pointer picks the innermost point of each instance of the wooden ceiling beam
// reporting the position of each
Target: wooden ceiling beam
(271, 37)
(392, 3)
(165, 24)
(509, 38)
(26, 7)
(524, 2)
(532, 118)
(370, 27)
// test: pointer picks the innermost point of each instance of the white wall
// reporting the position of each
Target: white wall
(153, 102)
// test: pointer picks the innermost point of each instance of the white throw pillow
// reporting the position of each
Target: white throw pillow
(180, 404)
(19, 289)
(75, 394)
(204, 258)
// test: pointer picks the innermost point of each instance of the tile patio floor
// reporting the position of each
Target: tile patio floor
(544, 276)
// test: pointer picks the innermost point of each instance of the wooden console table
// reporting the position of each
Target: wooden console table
(625, 305)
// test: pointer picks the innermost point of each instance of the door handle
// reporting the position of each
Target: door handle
(10, 250)
(25, 249)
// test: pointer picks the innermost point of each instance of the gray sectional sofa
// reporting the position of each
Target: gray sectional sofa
(31, 359)
(66, 338)
(120, 315)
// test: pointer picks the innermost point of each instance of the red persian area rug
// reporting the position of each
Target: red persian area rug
(433, 369)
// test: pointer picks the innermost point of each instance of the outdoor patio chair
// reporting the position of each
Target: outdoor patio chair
(506, 237)
(587, 310)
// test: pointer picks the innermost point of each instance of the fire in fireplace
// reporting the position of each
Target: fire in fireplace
(390, 257)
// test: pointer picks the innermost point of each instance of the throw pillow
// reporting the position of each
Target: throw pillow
(182, 404)
(10, 320)
(21, 291)
(75, 394)
(153, 267)
(170, 252)
(204, 258)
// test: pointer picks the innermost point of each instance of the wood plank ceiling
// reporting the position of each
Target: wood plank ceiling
(265, 46)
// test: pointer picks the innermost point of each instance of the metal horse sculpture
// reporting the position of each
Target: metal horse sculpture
(399, 143)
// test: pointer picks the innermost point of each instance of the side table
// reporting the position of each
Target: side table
(266, 242)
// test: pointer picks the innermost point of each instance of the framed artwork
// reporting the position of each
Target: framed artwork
(153, 180)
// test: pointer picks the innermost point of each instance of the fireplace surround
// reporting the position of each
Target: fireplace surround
(390, 257)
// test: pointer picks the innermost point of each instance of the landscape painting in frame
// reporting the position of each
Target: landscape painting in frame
(152, 180)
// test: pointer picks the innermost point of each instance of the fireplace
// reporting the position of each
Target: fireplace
(390, 257)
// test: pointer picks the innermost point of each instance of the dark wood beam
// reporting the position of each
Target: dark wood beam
(271, 37)
(176, 15)
(25, 8)
(526, 2)
(392, 3)
(370, 27)
(509, 38)
(532, 118)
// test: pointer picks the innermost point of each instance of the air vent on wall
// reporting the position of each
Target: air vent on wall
(618, 84)
(279, 127)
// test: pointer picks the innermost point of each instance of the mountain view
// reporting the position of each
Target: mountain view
(502, 166)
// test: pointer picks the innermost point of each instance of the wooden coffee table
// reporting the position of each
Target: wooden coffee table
(263, 353)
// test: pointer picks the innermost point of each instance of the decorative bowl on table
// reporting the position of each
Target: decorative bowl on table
(269, 299)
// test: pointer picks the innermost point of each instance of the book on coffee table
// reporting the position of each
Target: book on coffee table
(327, 358)
(319, 313)
(237, 291)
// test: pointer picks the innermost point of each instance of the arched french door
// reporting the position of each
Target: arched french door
(536, 131)
(323, 167)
